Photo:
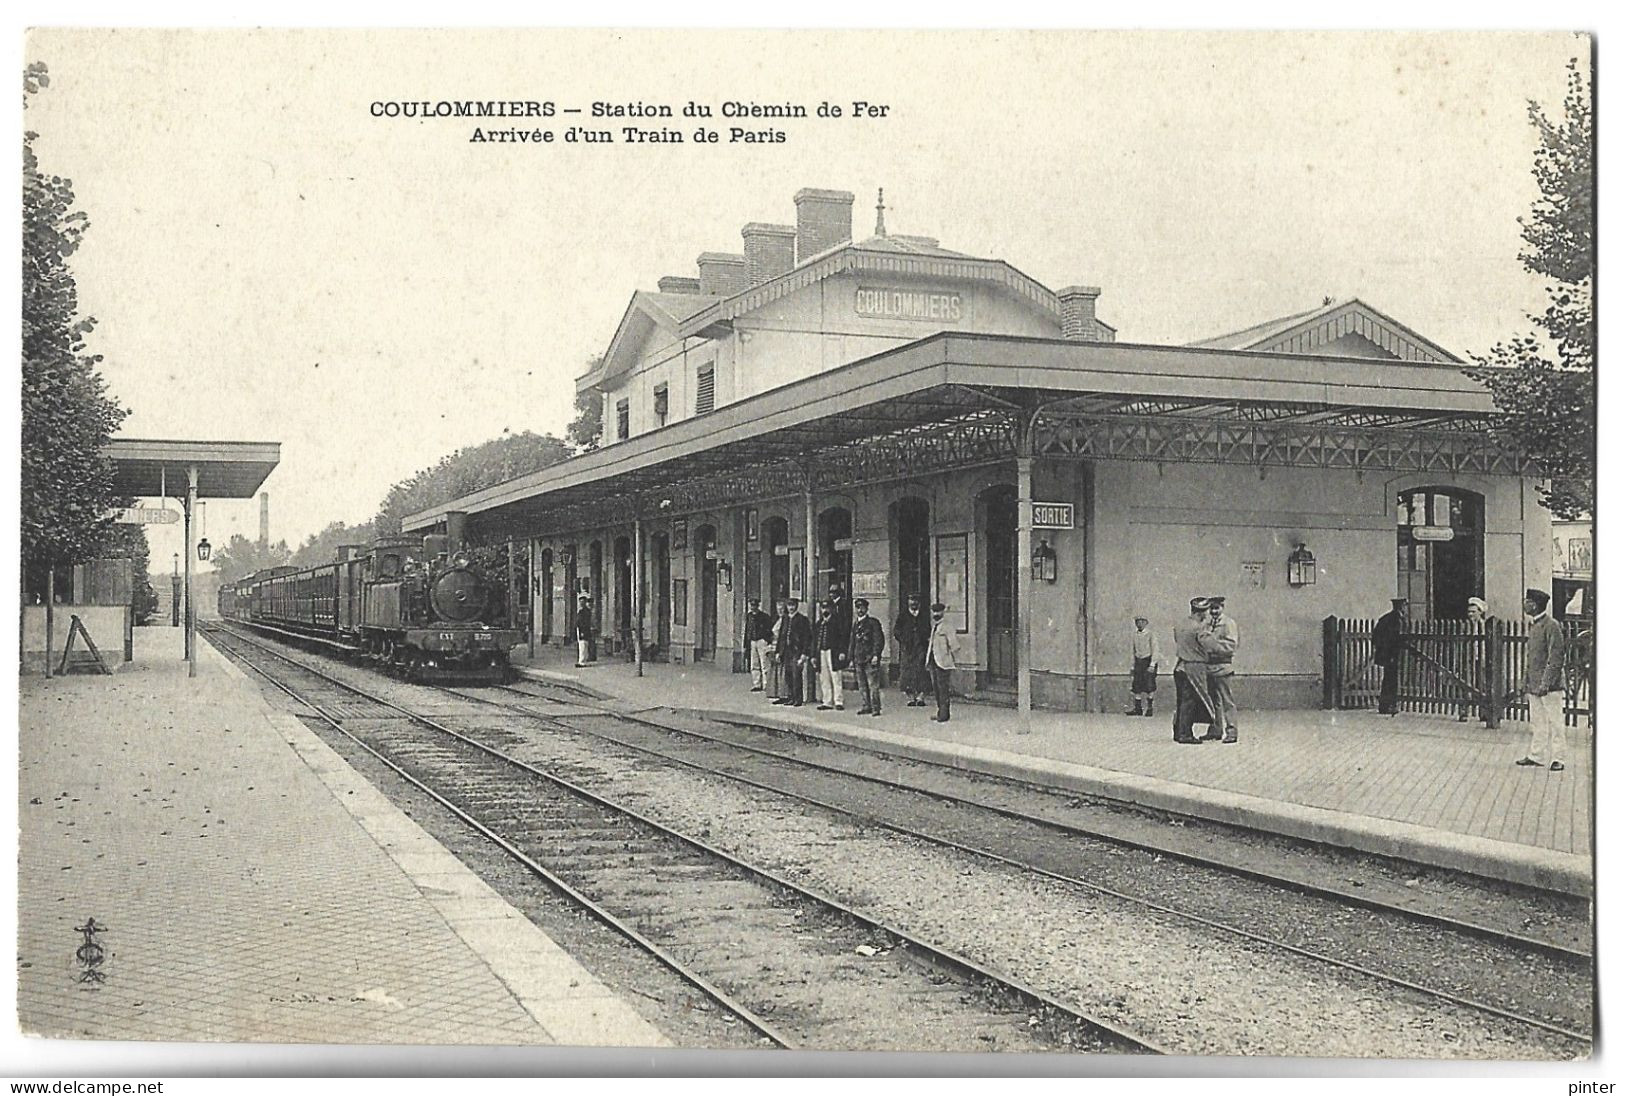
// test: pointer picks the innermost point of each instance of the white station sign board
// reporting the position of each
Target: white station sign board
(146, 515)
(1052, 515)
(1434, 533)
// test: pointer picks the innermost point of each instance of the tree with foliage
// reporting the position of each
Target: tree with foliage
(1545, 383)
(67, 481)
(468, 470)
(323, 547)
(241, 556)
(586, 430)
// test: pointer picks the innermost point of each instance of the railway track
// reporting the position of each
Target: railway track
(772, 951)
(1029, 842)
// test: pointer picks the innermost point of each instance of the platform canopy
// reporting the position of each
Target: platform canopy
(145, 468)
(953, 401)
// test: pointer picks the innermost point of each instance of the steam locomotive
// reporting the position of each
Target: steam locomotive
(418, 607)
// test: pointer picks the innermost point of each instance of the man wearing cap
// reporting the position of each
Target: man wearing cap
(940, 653)
(1143, 667)
(1387, 643)
(1190, 675)
(1219, 639)
(795, 644)
(758, 632)
(831, 644)
(867, 648)
(1543, 682)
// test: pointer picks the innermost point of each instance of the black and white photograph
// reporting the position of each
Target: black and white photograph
(1063, 547)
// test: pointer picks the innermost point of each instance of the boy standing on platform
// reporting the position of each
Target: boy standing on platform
(1143, 669)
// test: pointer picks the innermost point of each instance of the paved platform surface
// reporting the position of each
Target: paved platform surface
(1426, 788)
(253, 887)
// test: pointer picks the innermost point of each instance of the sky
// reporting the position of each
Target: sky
(269, 261)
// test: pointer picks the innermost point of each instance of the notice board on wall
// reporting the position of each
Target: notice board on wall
(953, 580)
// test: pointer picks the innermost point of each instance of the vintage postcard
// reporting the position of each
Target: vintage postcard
(1024, 543)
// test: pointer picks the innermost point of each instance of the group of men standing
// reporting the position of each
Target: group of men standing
(1205, 646)
(781, 651)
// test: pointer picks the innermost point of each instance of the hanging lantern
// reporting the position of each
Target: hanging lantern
(1044, 569)
(203, 548)
(1300, 567)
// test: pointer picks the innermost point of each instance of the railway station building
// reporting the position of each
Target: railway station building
(906, 418)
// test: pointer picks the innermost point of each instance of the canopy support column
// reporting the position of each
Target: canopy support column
(637, 591)
(1024, 590)
(191, 609)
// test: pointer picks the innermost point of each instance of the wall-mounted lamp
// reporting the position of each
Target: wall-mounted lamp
(1044, 569)
(725, 572)
(203, 548)
(1300, 567)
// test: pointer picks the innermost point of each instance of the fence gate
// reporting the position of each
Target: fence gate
(1451, 667)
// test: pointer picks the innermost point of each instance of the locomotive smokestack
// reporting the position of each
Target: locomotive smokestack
(265, 519)
(456, 529)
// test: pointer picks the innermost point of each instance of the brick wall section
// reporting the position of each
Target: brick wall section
(770, 250)
(1078, 313)
(722, 275)
(823, 221)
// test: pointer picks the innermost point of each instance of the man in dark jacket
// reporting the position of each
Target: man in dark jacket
(912, 631)
(1387, 642)
(795, 644)
(758, 633)
(867, 648)
(831, 644)
(583, 630)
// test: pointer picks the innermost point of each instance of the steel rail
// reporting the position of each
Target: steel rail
(1302, 886)
(939, 956)
(907, 831)
(603, 915)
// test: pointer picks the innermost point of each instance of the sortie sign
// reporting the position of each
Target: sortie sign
(1052, 515)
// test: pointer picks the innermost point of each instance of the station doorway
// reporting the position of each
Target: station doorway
(996, 508)
(1441, 551)
(705, 551)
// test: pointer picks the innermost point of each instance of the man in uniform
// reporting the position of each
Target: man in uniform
(867, 648)
(1190, 675)
(1387, 641)
(758, 632)
(1219, 640)
(795, 642)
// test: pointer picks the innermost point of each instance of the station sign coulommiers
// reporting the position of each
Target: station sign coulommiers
(145, 515)
(891, 303)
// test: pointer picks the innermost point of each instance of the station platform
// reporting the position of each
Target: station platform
(1426, 789)
(251, 887)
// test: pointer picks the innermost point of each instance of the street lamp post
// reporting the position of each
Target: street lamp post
(175, 593)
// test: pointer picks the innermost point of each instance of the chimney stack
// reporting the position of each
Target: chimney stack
(672, 283)
(722, 275)
(770, 250)
(265, 519)
(823, 221)
(1078, 313)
